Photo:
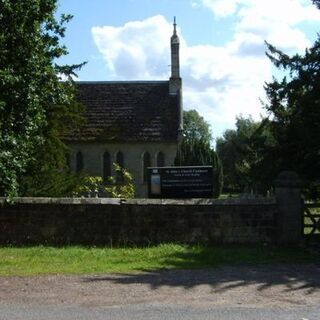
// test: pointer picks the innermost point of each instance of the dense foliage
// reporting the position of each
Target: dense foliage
(289, 138)
(245, 160)
(294, 108)
(195, 127)
(195, 148)
(317, 3)
(125, 189)
(35, 106)
(94, 186)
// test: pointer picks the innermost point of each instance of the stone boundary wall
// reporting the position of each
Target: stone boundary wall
(101, 221)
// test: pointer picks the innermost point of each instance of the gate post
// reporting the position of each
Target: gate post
(290, 207)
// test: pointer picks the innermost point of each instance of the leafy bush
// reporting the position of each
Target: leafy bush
(91, 186)
(125, 189)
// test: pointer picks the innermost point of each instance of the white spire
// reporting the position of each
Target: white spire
(175, 80)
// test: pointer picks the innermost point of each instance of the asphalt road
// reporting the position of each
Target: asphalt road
(155, 312)
(239, 293)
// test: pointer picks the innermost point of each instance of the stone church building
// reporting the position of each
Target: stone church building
(137, 124)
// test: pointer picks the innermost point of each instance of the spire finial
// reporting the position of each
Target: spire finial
(174, 26)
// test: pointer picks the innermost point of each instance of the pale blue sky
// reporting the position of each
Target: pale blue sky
(222, 51)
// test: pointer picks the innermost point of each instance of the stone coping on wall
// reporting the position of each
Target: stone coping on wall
(117, 201)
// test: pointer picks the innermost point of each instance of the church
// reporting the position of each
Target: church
(137, 124)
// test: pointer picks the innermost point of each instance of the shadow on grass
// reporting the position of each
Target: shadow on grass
(227, 268)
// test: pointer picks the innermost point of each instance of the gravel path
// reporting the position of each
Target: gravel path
(274, 286)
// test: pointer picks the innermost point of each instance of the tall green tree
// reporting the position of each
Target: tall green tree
(35, 106)
(195, 127)
(246, 163)
(294, 113)
(195, 148)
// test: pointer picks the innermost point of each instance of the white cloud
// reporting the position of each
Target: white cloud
(222, 8)
(194, 4)
(288, 11)
(219, 81)
(139, 49)
(272, 20)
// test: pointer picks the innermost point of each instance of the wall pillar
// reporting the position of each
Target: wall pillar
(290, 208)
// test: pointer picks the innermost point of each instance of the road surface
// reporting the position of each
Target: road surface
(244, 292)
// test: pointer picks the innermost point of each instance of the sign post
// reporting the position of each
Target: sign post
(180, 182)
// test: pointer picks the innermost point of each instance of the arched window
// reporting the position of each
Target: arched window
(146, 162)
(79, 162)
(120, 163)
(160, 159)
(106, 166)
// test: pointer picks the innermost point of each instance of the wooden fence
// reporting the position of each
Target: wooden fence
(311, 222)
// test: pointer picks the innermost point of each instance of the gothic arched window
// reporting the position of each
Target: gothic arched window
(160, 159)
(79, 162)
(146, 162)
(106, 166)
(120, 163)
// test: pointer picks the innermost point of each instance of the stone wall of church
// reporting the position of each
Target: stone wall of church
(132, 155)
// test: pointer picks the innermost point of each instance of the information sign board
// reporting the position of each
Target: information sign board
(180, 182)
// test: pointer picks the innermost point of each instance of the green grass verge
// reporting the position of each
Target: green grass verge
(86, 260)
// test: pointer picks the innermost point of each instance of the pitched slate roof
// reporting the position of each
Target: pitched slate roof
(127, 112)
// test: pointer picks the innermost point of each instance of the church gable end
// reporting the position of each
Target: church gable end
(128, 123)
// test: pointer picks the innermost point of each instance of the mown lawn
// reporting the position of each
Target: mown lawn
(86, 260)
